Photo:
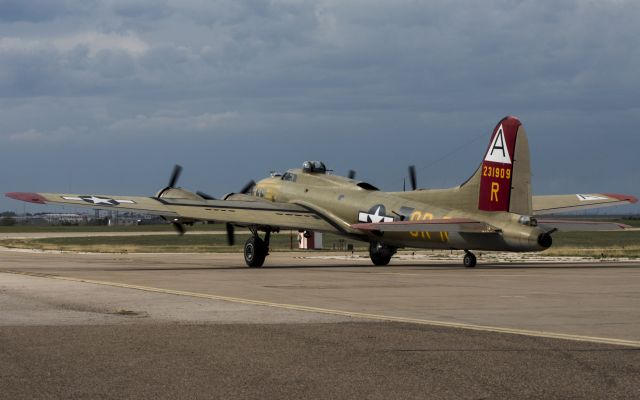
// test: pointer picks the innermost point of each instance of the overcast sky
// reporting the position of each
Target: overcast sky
(106, 96)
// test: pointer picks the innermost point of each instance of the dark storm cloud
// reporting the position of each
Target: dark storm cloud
(263, 85)
(31, 11)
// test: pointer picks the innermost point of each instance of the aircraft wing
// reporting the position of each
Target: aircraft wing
(434, 225)
(572, 202)
(144, 205)
(248, 211)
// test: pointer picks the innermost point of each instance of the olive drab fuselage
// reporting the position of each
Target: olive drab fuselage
(352, 202)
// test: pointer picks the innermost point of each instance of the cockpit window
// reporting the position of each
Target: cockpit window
(315, 167)
(288, 176)
(367, 186)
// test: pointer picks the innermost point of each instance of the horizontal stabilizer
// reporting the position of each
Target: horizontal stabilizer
(574, 202)
(433, 225)
(567, 225)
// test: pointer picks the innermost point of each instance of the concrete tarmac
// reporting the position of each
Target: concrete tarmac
(311, 326)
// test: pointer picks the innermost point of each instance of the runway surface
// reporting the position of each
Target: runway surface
(311, 326)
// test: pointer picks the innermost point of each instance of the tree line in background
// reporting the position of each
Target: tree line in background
(7, 218)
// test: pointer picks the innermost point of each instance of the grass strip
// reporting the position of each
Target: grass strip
(190, 243)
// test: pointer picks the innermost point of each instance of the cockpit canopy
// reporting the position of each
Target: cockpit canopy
(314, 167)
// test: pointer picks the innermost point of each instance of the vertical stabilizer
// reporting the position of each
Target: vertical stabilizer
(501, 184)
(505, 172)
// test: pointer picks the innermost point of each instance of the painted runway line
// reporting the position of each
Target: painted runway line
(377, 317)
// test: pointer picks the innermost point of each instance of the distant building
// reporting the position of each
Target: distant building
(310, 240)
(87, 219)
(65, 219)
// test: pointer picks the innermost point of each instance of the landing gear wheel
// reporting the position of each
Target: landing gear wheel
(255, 251)
(469, 260)
(381, 254)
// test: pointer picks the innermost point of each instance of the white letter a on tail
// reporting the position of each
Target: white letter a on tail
(498, 151)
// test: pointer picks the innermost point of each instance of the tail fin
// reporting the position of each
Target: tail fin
(503, 181)
(505, 173)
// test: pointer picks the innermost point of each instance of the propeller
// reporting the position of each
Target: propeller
(352, 174)
(246, 188)
(230, 234)
(178, 226)
(205, 196)
(175, 175)
(230, 228)
(412, 177)
(177, 169)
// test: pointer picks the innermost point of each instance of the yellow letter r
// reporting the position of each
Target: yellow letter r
(495, 187)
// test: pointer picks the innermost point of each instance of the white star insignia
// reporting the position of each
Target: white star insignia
(376, 217)
(98, 200)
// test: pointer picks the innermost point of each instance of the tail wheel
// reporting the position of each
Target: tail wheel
(255, 251)
(469, 260)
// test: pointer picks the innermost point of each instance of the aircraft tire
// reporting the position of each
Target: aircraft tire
(255, 251)
(380, 255)
(380, 260)
(469, 260)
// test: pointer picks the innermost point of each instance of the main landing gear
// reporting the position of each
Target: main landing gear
(381, 253)
(256, 249)
(469, 260)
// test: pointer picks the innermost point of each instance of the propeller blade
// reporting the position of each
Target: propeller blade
(352, 174)
(178, 227)
(205, 196)
(412, 177)
(177, 169)
(231, 239)
(247, 187)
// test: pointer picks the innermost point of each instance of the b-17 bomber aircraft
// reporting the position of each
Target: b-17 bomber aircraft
(493, 210)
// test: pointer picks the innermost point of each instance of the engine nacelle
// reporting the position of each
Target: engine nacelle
(177, 193)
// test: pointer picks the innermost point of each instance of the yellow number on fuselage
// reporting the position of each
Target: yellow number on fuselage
(415, 216)
(425, 216)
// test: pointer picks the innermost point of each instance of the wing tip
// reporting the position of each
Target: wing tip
(623, 197)
(28, 197)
